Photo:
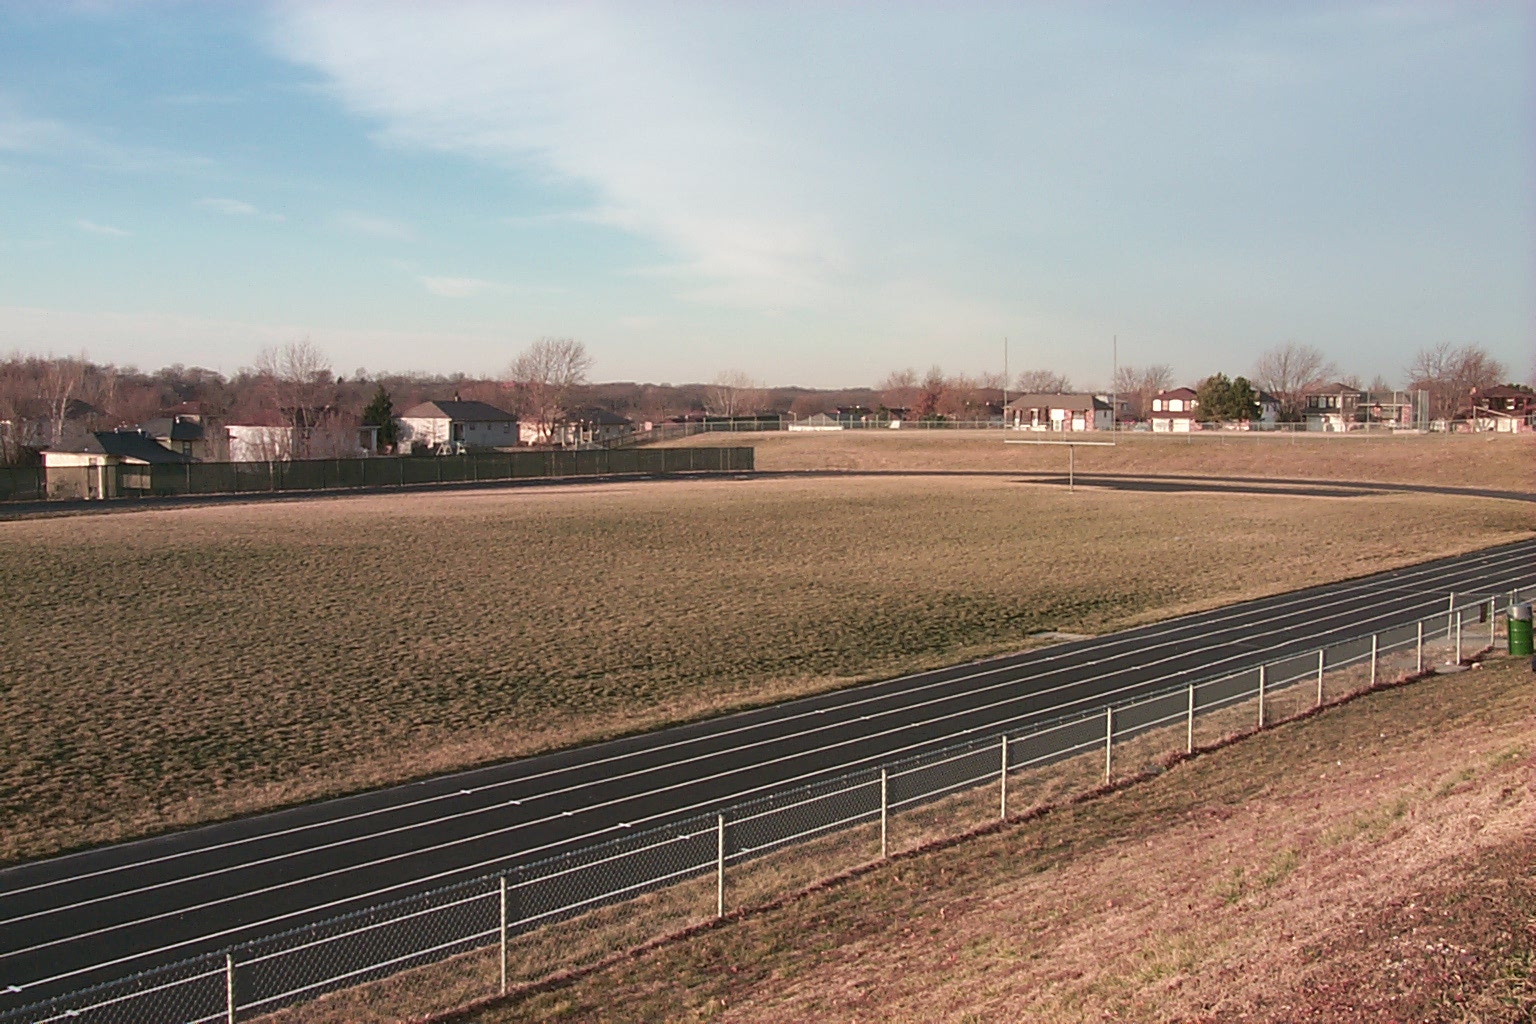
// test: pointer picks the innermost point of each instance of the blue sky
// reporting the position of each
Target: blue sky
(814, 193)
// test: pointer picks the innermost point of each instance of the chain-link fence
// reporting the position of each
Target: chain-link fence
(75, 483)
(439, 949)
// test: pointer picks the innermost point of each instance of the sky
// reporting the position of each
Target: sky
(813, 193)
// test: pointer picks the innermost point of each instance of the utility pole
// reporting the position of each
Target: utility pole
(1114, 388)
(1005, 380)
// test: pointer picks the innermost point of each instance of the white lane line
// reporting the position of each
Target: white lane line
(1129, 637)
(566, 842)
(901, 709)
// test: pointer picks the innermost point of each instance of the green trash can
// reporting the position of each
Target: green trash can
(1520, 629)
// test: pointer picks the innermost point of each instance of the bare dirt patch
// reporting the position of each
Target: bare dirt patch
(167, 667)
(1500, 462)
(1376, 862)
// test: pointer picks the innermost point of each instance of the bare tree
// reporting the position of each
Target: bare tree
(299, 387)
(1449, 374)
(1287, 371)
(60, 381)
(541, 379)
(734, 393)
(1137, 385)
(1042, 382)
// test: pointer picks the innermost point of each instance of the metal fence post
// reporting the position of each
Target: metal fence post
(720, 866)
(1450, 613)
(1493, 621)
(1189, 728)
(1322, 660)
(1261, 696)
(1374, 649)
(503, 934)
(884, 850)
(1002, 800)
(229, 988)
(1109, 745)
(1420, 655)
(1458, 638)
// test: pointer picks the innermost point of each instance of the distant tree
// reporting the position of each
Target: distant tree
(541, 379)
(300, 388)
(1226, 400)
(1379, 383)
(1042, 382)
(1287, 371)
(930, 392)
(380, 412)
(1137, 386)
(734, 393)
(1449, 374)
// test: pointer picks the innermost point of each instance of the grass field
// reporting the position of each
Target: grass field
(1370, 863)
(1497, 461)
(167, 667)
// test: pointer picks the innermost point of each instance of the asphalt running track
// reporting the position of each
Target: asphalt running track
(93, 916)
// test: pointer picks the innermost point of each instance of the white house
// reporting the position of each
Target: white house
(471, 424)
(1059, 412)
(86, 467)
(1174, 411)
(268, 441)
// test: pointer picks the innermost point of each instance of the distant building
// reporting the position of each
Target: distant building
(1173, 411)
(1336, 406)
(87, 466)
(1065, 412)
(455, 423)
(1505, 408)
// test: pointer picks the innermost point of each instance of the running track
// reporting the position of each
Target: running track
(101, 914)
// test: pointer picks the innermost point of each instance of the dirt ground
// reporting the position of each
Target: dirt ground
(1374, 863)
(167, 667)
(1496, 461)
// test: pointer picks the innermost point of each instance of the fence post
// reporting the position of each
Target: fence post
(883, 814)
(1002, 809)
(720, 866)
(1493, 621)
(503, 934)
(1109, 745)
(1450, 613)
(1189, 729)
(229, 988)
(1322, 659)
(1458, 638)
(1373, 658)
(1261, 696)
(1420, 655)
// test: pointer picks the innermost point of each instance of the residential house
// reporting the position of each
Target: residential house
(87, 466)
(452, 424)
(1337, 406)
(587, 427)
(265, 438)
(181, 433)
(1506, 408)
(1173, 411)
(1059, 412)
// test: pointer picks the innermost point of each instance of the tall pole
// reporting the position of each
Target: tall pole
(1005, 380)
(1114, 390)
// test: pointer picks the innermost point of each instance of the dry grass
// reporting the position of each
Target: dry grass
(1502, 462)
(168, 667)
(1369, 863)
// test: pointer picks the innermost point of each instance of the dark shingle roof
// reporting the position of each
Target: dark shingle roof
(176, 429)
(1073, 403)
(464, 412)
(124, 444)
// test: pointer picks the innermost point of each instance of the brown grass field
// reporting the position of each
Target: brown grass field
(1373, 862)
(173, 666)
(1495, 461)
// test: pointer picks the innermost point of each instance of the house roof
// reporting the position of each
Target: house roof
(1072, 403)
(463, 412)
(1504, 391)
(173, 428)
(1179, 393)
(124, 444)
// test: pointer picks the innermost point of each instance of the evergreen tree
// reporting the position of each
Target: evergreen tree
(380, 412)
(1226, 400)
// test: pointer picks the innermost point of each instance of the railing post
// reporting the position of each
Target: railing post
(1420, 655)
(1450, 613)
(1458, 638)
(1322, 660)
(1189, 728)
(720, 866)
(1002, 800)
(1493, 621)
(1109, 745)
(884, 814)
(1261, 696)
(503, 934)
(229, 988)
(1374, 650)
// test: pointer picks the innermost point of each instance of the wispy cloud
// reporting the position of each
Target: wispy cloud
(455, 287)
(94, 228)
(237, 208)
(372, 226)
(50, 139)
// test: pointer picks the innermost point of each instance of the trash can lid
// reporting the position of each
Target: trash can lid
(1520, 611)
